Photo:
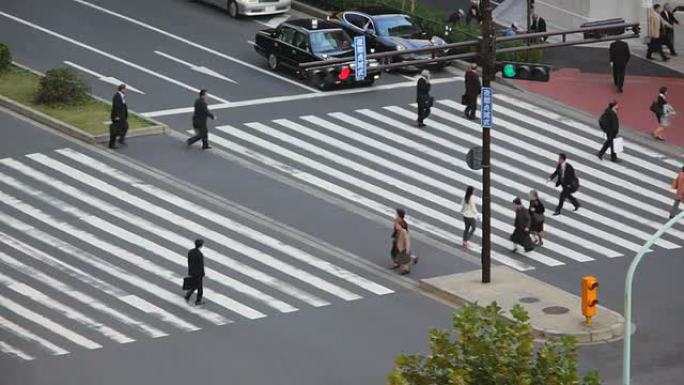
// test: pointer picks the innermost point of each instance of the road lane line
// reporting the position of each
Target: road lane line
(585, 213)
(12, 351)
(229, 224)
(253, 253)
(29, 336)
(48, 324)
(336, 189)
(106, 79)
(146, 225)
(73, 272)
(288, 98)
(162, 252)
(421, 177)
(196, 45)
(107, 55)
(66, 311)
(196, 68)
(95, 261)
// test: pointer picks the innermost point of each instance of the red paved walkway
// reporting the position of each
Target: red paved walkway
(591, 92)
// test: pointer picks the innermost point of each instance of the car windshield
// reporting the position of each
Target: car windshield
(395, 25)
(329, 41)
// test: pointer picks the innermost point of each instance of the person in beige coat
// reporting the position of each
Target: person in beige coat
(401, 244)
(678, 186)
(656, 25)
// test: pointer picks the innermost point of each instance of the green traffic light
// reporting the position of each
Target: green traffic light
(509, 71)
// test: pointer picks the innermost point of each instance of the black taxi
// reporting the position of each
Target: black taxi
(308, 40)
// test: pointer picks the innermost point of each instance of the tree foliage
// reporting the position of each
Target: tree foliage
(5, 58)
(62, 86)
(485, 349)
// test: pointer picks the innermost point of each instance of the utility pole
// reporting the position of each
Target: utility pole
(488, 64)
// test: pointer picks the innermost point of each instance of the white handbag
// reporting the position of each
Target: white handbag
(619, 144)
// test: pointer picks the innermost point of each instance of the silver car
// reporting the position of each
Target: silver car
(237, 8)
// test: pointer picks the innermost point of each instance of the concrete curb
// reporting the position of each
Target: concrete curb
(602, 331)
(31, 113)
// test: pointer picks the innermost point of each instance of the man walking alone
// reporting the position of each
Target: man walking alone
(196, 272)
(611, 126)
(619, 57)
(472, 90)
(567, 180)
(119, 117)
(199, 121)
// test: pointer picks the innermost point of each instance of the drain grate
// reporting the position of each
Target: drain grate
(555, 310)
(529, 299)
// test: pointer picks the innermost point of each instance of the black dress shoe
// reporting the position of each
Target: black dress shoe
(600, 156)
(206, 148)
(674, 54)
(556, 213)
(113, 146)
(615, 159)
(577, 207)
(199, 303)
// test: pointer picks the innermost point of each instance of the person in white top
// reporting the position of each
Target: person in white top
(469, 212)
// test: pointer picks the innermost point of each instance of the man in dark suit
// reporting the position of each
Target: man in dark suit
(619, 57)
(611, 126)
(521, 230)
(567, 180)
(119, 117)
(668, 39)
(199, 120)
(472, 90)
(423, 98)
(196, 271)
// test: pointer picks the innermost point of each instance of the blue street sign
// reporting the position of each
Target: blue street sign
(360, 61)
(487, 105)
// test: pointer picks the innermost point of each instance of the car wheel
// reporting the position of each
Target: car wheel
(320, 81)
(368, 83)
(272, 62)
(232, 9)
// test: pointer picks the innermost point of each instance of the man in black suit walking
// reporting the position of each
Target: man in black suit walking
(619, 57)
(472, 90)
(199, 120)
(611, 126)
(568, 182)
(196, 271)
(119, 117)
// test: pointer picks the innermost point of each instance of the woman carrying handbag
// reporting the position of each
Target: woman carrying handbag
(401, 245)
(536, 210)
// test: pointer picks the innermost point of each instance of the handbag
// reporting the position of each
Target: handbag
(402, 258)
(619, 144)
(189, 283)
(538, 218)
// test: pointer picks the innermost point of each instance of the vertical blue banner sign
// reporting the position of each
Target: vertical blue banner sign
(360, 62)
(487, 104)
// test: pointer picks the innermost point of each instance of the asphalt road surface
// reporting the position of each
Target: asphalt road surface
(298, 192)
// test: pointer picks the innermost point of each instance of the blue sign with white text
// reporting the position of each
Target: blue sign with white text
(486, 108)
(360, 61)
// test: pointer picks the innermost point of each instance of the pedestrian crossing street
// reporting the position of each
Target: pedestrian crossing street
(91, 255)
(378, 159)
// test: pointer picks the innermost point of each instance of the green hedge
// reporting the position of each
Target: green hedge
(62, 86)
(5, 58)
(434, 22)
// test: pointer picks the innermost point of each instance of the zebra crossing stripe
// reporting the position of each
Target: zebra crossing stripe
(30, 336)
(48, 324)
(12, 351)
(586, 213)
(178, 240)
(229, 224)
(592, 131)
(567, 134)
(74, 272)
(354, 197)
(66, 311)
(411, 189)
(460, 178)
(374, 189)
(98, 263)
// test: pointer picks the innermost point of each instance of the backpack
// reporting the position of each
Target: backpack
(654, 107)
(603, 122)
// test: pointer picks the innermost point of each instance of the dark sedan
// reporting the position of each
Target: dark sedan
(308, 40)
(387, 31)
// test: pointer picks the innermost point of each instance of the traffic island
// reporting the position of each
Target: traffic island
(87, 121)
(553, 312)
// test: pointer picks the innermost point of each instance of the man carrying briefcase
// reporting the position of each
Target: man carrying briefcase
(195, 273)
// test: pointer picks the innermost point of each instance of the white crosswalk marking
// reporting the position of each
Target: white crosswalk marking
(12, 351)
(25, 334)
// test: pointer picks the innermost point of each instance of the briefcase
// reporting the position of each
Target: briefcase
(189, 283)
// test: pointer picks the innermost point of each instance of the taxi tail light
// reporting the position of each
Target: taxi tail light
(344, 73)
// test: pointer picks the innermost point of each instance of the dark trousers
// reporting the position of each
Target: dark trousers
(470, 111)
(198, 287)
(423, 111)
(656, 45)
(606, 144)
(566, 193)
(668, 41)
(202, 133)
(470, 225)
(119, 129)
(619, 75)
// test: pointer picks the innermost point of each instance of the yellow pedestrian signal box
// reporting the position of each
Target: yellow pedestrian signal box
(589, 297)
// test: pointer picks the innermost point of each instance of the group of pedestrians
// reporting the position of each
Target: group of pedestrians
(661, 21)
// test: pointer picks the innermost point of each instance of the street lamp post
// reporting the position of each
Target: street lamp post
(487, 62)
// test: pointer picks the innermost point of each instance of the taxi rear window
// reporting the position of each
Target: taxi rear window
(329, 41)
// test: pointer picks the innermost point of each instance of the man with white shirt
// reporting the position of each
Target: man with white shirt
(119, 117)
(567, 180)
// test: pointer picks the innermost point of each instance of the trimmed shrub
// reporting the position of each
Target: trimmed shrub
(5, 58)
(62, 86)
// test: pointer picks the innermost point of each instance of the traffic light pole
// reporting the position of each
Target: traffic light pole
(488, 64)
